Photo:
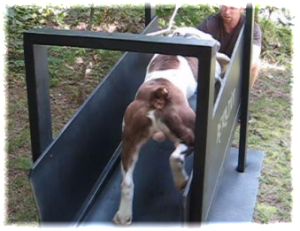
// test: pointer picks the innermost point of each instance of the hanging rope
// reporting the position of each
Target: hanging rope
(171, 22)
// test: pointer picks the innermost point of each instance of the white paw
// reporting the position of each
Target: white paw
(122, 219)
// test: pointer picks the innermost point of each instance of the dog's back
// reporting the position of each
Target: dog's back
(175, 69)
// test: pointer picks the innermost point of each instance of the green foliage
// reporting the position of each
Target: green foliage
(187, 15)
(256, 12)
(125, 18)
(276, 43)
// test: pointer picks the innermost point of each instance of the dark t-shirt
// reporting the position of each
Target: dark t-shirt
(214, 26)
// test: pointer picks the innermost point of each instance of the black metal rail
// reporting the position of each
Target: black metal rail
(247, 49)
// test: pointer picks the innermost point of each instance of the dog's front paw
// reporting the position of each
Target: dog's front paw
(122, 219)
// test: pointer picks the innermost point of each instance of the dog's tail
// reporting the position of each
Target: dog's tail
(160, 98)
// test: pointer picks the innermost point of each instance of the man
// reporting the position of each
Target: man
(225, 26)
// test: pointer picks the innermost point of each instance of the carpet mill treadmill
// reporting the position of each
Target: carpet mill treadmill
(76, 176)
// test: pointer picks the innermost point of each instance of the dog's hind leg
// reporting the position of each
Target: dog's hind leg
(181, 125)
(135, 134)
(124, 214)
(177, 160)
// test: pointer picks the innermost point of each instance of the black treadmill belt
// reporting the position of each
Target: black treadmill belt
(155, 197)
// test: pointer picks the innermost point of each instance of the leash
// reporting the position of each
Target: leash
(171, 22)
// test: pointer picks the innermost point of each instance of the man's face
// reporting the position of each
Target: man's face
(230, 14)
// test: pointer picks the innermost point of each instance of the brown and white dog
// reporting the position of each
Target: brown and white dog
(161, 110)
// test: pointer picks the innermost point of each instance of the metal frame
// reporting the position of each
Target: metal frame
(37, 78)
(246, 87)
(150, 13)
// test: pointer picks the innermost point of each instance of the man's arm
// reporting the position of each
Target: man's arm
(209, 25)
(203, 26)
(257, 38)
(256, 49)
(255, 54)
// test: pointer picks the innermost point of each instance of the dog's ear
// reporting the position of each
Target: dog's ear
(223, 61)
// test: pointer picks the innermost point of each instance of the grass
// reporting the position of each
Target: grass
(69, 87)
(265, 212)
(270, 106)
(270, 131)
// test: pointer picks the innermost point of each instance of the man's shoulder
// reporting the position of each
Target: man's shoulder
(210, 24)
(213, 18)
(257, 26)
